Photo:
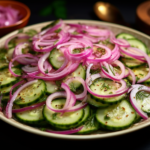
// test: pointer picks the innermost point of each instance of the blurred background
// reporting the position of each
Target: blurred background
(47, 10)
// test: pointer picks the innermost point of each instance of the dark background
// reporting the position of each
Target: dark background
(77, 9)
(42, 11)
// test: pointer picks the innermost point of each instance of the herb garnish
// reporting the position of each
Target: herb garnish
(141, 95)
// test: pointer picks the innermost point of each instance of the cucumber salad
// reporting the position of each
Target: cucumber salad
(75, 78)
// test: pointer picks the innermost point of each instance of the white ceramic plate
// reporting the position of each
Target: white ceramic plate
(97, 135)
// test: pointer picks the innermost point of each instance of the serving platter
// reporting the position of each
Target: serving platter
(96, 135)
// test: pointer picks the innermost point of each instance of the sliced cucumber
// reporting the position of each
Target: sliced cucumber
(6, 78)
(86, 115)
(140, 73)
(143, 101)
(138, 44)
(6, 90)
(95, 103)
(90, 125)
(54, 58)
(4, 100)
(125, 36)
(79, 72)
(51, 87)
(116, 117)
(132, 63)
(31, 94)
(32, 117)
(3, 65)
(104, 86)
(133, 41)
(65, 121)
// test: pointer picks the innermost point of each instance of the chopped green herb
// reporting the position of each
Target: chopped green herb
(58, 30)
(54, 116)
(17, 71)
(137, 78)
(55, 42)
(46, 71)
(111, 69)
(31, 32)
(104, 68)
(141, 95)
(90, 121)
(88, 47)
(141, 74)
(72, 87)
(105, 86)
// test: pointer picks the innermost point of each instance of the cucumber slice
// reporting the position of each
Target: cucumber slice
(95, 103)
(3, 65)
(143, 101)
(134, 42)
(131, 63)
(86, 115)
(51, 87)
(140, 73)
(6, 90)
(104, 86)
(125, 36)
(31, 94)
(65, 121)
(4, 100)
(54, 60)
(90, 125)
(79, 72)
(138, 44)
(6, 78)
(116, 117)
(31, 117)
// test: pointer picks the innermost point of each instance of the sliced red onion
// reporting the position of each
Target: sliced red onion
(48, 46)
(105, 57)
(29, 69)
(148, 62)
(133, 99)
(54, 96)
(18, 51)
(72, 66)
(71, 131)
(79, 106)
(89, 82)
(120, 42)
(19, 35)
(28, 107)
(15, 85)
(17, 57)
(133, 76)
(88, 71)
(111, 74)
(79, 79)
(132, 52)
(12, 99)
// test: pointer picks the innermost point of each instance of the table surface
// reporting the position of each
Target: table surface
(13, 137)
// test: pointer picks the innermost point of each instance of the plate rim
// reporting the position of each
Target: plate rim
(33, 130)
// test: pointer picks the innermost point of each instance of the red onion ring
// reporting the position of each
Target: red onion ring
(71, 131)
(28, 107)
(79, 79)
(133, 93)
(12, 99)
